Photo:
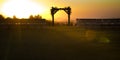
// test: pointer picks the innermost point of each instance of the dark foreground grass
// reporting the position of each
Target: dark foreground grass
(58, 43)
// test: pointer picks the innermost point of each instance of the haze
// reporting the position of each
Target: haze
(80, 8)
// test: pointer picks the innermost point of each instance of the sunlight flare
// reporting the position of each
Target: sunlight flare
(22, 8)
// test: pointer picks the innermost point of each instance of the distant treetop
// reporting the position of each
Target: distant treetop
(2, 17)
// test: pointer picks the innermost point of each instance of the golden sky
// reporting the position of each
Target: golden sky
(80, 8)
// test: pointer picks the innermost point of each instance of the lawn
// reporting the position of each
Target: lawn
(25, 42)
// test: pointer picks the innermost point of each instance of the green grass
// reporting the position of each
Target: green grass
(58, 43)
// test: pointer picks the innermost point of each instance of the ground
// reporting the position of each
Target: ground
(18, 42)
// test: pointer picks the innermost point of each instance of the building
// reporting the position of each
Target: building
(96, 23)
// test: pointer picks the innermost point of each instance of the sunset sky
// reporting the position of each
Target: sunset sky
(80, 8)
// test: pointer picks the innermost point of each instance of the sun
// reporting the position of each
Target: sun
(22, 8)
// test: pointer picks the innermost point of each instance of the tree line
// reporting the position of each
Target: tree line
(31, 17)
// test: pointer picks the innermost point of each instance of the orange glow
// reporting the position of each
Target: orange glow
(80, 8)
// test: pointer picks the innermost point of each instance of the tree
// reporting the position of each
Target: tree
(38, 17)
(14, 17)
(8, 18)
(1, 17)
(31, 17)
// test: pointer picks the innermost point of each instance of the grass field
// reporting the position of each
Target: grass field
(19, 42)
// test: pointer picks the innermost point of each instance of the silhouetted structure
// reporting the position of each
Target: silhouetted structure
(99, 23)
(66, 9)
